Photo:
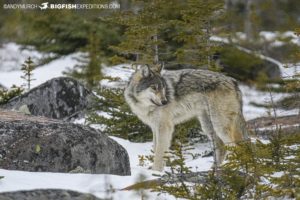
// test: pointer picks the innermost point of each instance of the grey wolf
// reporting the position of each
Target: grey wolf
(162, 99)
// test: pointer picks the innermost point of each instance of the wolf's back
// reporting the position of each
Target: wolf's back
(189, 81)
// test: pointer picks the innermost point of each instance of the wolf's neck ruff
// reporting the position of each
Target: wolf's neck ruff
(163, 100)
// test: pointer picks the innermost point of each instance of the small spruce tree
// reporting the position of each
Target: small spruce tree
(27, 69)
(194, 31)
(89, 69)
(93, 69)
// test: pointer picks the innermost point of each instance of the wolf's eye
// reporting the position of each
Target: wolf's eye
(153, 87)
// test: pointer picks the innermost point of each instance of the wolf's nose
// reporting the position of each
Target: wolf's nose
(164, 102)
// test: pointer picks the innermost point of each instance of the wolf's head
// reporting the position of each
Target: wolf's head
(148, 86)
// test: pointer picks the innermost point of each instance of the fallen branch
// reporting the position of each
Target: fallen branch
(193, 177)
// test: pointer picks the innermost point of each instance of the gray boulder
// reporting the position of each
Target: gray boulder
(47, 194)
(58, 98)
(33, 143)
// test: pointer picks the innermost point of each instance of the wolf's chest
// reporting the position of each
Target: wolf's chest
(147, 115)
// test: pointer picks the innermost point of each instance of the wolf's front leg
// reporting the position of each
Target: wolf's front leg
(154, 140)
(163, 138)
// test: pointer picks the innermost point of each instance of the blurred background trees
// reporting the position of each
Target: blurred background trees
(174, 32)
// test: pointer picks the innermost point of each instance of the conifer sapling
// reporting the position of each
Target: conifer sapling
(27, 69)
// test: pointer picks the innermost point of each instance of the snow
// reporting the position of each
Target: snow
(252, 96)
(274, 38)
(81, 121)
(11, 57)
(122, 72)
(136, 149)
(86, 183)
(41, 74)
(277, 174)
(241, 35)
(267, 35)
(279, 36)
(219, 39)
(289, 70)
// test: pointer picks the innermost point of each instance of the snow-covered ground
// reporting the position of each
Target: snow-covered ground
(11, 56)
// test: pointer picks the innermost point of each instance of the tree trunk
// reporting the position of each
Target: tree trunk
(156, 58)
(248, 23)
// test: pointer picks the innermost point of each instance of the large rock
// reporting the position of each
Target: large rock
(46, 194)
(40, 144)
(57, 98)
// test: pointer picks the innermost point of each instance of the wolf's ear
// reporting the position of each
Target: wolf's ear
(158, 67)
(145, 71)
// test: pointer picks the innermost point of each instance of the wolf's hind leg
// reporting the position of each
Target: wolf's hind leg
(208, 129)
(220, 150)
